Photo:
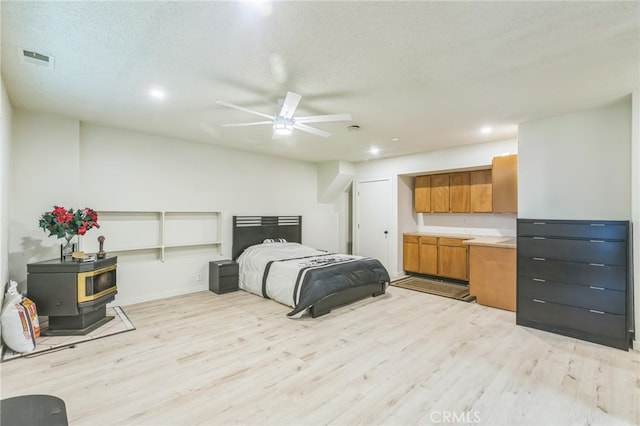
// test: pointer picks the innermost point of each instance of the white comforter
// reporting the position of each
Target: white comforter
(254, 259)
(282, 276)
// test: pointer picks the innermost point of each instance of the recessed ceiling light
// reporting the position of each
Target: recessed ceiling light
(374, 151)
(486, 130)
(157, 93)
(395, 139)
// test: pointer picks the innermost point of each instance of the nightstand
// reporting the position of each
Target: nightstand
(223, 276)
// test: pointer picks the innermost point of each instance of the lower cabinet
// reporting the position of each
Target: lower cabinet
(438, 256)
(428, 256)
(411, 253)
(573, 279)
(453, 259)
(492, 276)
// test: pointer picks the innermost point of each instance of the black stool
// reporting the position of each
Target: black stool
(33, 410)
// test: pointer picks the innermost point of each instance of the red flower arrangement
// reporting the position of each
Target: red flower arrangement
(65, 223)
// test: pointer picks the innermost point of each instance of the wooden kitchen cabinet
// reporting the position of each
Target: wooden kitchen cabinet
(437, 256)
(452, 259)
(440, 193)
(481, 191)
(492, 276)
(459, 193)
(411, 253)
(422, 194)
(428, 255)
(504, 177)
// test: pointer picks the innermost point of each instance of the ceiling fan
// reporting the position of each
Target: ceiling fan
(284, 122)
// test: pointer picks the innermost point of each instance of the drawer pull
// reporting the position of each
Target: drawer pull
(539, 238)
(541, 258)
(596, 241)
(596, 288)
(539, 301)
(540, 280)
(596, 264)
(539, 223)
(596, 312)
(597, 224)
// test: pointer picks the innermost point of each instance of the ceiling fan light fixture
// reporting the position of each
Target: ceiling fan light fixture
(284, 129)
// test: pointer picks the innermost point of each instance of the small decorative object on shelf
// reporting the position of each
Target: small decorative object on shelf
(67, 223)
(101, 254)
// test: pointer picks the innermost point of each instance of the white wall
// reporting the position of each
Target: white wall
(5, 168)
(577, 166)
(635, 208)
(62, 161)
(398, 169)
(45, 172)
(586, 166)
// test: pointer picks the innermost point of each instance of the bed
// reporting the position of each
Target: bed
(274, 264)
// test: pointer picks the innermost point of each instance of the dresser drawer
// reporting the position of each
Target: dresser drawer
(589, 251)
(229, 283)
(561, 316)
(597, 298)
(610, 277)
(590, 230)
(227, 268)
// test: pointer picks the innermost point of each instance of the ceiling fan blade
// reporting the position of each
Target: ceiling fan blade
(290, 104)
(321, 118)
(310, 129)
(246, 124)
(227, 104)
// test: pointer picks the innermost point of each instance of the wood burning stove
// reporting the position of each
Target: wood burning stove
(74, 295)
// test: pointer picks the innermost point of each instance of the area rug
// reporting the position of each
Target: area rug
(119, 324)
(440, 288)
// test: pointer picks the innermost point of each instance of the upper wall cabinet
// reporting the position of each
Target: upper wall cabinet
(440, 193)
(459, 193)
(504, 176)
(481, 191)
(423, 194)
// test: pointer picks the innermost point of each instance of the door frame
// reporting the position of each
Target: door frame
(393, 221)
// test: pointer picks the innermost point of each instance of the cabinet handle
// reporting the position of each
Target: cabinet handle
(596, 241)
(596, 288)
(539, 258)
(596, 312)
(596, 264)
(597, 224)
(539, 301)
(540, 280)
(539, 238)
(539, 223)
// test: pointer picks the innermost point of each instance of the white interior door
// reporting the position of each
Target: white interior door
(373, 219)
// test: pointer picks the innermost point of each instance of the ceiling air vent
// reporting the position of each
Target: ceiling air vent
(35, 58)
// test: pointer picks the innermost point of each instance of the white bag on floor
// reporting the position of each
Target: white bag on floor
(20, 326)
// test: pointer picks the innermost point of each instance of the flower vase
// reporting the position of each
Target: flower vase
(67, 248)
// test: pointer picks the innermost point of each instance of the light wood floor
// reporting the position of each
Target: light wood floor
(404, 358)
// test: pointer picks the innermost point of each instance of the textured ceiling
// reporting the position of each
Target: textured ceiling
(427, 73)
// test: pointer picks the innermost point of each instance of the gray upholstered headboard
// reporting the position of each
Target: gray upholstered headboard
(250, 230)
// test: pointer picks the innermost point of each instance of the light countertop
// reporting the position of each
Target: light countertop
(473, 240)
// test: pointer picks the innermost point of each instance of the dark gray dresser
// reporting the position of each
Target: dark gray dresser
(573, 279)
